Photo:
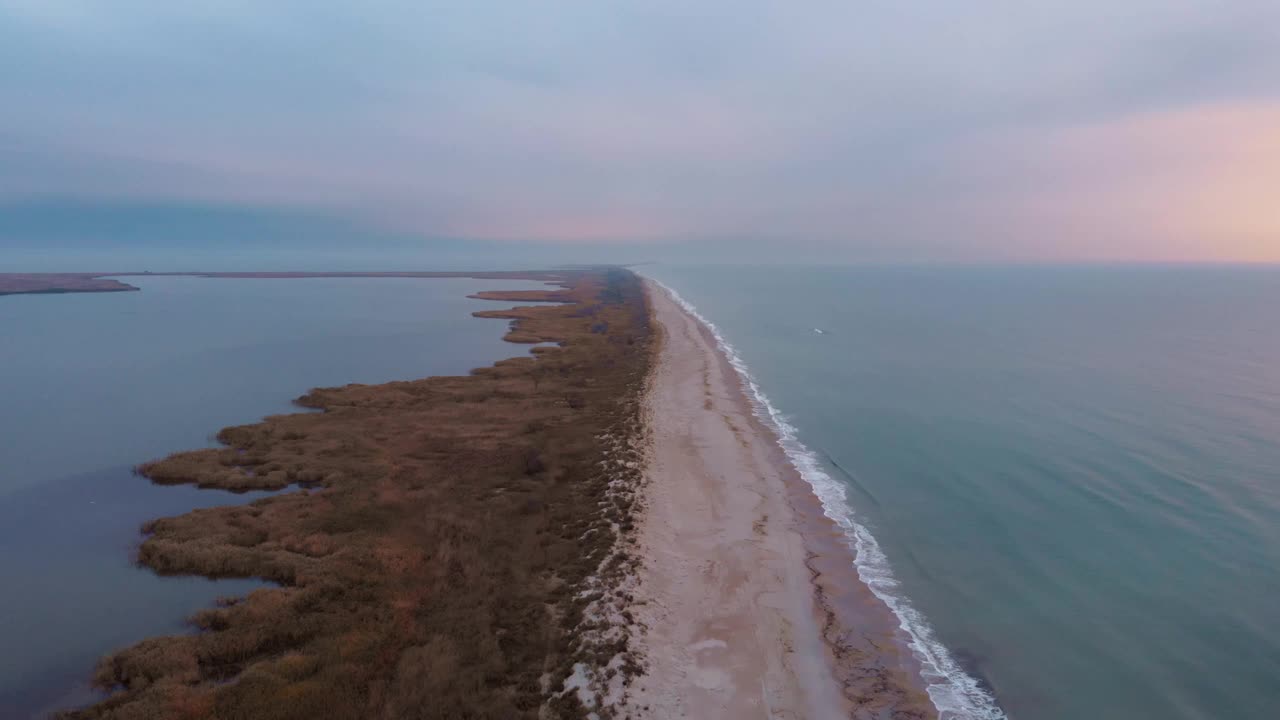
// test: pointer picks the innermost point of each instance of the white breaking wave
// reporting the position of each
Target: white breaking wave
(955, 694)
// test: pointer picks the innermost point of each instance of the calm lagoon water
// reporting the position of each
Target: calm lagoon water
(93, 384)
(1074, 473)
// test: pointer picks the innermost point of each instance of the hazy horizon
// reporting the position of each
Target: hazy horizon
(1049, 132)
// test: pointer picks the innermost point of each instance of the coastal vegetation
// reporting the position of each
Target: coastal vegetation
(54, 283)
(435, 546)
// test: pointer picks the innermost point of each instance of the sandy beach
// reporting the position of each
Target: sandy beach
(747, 596)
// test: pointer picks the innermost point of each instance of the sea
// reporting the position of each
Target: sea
(1064, 481)
(93, 384)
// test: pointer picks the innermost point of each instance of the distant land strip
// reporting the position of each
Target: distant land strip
(53, 283)
(87, 282)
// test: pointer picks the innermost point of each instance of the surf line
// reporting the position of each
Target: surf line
(956, 694)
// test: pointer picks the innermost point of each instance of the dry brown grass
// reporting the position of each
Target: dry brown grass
(430, 569)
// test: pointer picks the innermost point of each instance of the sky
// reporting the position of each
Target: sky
(823, 131)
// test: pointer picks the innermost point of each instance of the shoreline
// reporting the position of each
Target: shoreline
(952, 691)
(748, 591)
(88, 282)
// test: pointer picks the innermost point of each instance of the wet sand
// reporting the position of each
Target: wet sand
(748, 596)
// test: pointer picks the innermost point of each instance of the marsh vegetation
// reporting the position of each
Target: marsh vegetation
(430, 541)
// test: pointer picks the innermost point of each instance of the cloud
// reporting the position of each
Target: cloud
(866, 130)
(1195, 183)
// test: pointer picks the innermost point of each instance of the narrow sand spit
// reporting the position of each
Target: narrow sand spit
(738, 622)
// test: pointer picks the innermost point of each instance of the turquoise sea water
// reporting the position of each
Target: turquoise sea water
(93, 384)
(1073, 474)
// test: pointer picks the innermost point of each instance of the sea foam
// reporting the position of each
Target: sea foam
(955, 694)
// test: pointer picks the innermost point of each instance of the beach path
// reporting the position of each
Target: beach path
(732, 626)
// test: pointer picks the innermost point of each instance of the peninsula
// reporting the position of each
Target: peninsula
(601, 529)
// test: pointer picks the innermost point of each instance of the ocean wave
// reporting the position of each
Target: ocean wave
(955, 694)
